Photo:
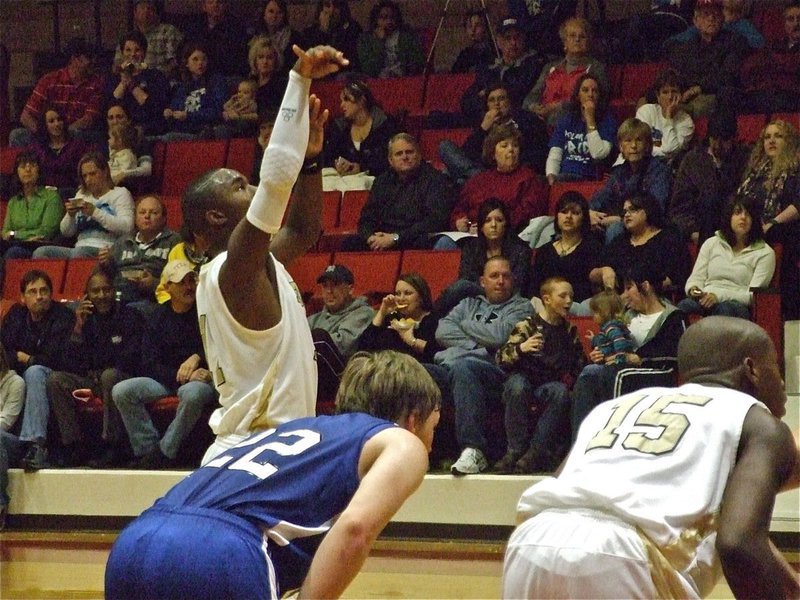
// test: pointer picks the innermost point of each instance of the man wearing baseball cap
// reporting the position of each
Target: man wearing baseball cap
(337, 326)
(173, 362)
(518, 67)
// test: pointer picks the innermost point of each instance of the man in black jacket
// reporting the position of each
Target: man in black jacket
(34, 334)
(103, 349)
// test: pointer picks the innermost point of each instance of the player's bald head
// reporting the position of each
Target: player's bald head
(714, 350)
(208, 191)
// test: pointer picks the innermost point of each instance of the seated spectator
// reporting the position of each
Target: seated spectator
(274, 25)
(736, 21)
(105, 347)
(33, 212)
(730, 264)
(357, 142)
(141, 89)
(541, 20)
(163, 40)
(770, 77)
(462, 163)
(12, 395)
(646, 31)
(772, 179)
(34, 334)
(572, 255)
(407, 203)
(74, 91)
(640, 173)
(543, 356)
(266, 71)
(266, 123)
(137, 260)
(334, 26)
(471, 335)
(709, 65)
(613, 340)
(389, 48)
(495, 237)
(516, 68)
(480, 52)
(138, 176)
(121, 157)
(240, 112)
(550, 95)
(97, 215)
(336, 327)
(583, 135)
(646, 239)
(405, 321)
(671, 126)
(522, 191)
(222, 33)
(172, 364)
(708, 175)
(656, 327)
(58, 152)
(198, 99)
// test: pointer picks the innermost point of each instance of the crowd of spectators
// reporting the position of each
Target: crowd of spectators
(500, 333)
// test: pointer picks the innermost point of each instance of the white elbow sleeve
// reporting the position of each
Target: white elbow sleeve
(283, 157)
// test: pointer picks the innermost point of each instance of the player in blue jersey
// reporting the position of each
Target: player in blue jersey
(295, 506)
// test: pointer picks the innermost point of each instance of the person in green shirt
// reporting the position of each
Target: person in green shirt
(33, 213)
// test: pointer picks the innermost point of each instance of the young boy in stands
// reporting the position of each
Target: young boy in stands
(544, 356)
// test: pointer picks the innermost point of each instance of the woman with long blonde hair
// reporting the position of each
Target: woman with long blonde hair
(772, 179)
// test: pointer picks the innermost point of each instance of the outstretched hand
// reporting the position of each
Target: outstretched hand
(319, 61)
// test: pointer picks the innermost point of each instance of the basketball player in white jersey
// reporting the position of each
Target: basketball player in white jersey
(258, 344)
(666, 485)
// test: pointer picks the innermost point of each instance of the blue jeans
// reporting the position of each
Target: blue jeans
(552, 404)
(457, 164)
(474, 384)
(594, 385)
(131, 396)
(727, 308)
(65, 252)
(37, 408)
(17, 251)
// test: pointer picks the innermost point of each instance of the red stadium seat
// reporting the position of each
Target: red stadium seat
(7, 157)
(187, 160)
(793, 118)
(77, 274)
(375, 272)
(444, 91)
(638, 78)
(768, 19)
(328, 93)
(174, 212)
(748, 127)
(241, 154)
(398, 95)
(16, 268)
(438, 267)
(586, 188)
(429, 140)
(330, 209)
(305, 270)
(352, 203)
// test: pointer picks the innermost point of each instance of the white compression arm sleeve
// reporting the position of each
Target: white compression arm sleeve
(283, 157)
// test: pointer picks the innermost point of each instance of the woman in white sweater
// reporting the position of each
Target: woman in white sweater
(730, 263)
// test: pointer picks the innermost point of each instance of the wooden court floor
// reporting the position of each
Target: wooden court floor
(71, 565)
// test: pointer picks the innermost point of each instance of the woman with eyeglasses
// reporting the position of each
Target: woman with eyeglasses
(551, 93)
(647, 239)
(358, 141)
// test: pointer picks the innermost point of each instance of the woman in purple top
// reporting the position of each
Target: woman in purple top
(58, 152)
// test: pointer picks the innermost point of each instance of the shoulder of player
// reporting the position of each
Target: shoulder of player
(394, 444)
(762, 432)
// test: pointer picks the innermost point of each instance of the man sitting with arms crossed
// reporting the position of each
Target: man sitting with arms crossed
(267, 504)
(250, 310)
(664, 485)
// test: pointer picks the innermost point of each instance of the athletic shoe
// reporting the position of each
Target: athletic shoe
(471, 462)
(529, 463)
(152, 461)
(35, 458)
(506, 465)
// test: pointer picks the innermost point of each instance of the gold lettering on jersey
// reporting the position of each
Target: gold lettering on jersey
(202, 321)
(219, 376)
(297, 292)
(663, 429)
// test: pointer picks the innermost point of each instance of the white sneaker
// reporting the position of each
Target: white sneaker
(471, 462)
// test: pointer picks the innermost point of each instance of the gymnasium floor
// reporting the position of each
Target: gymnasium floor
(71, 565)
